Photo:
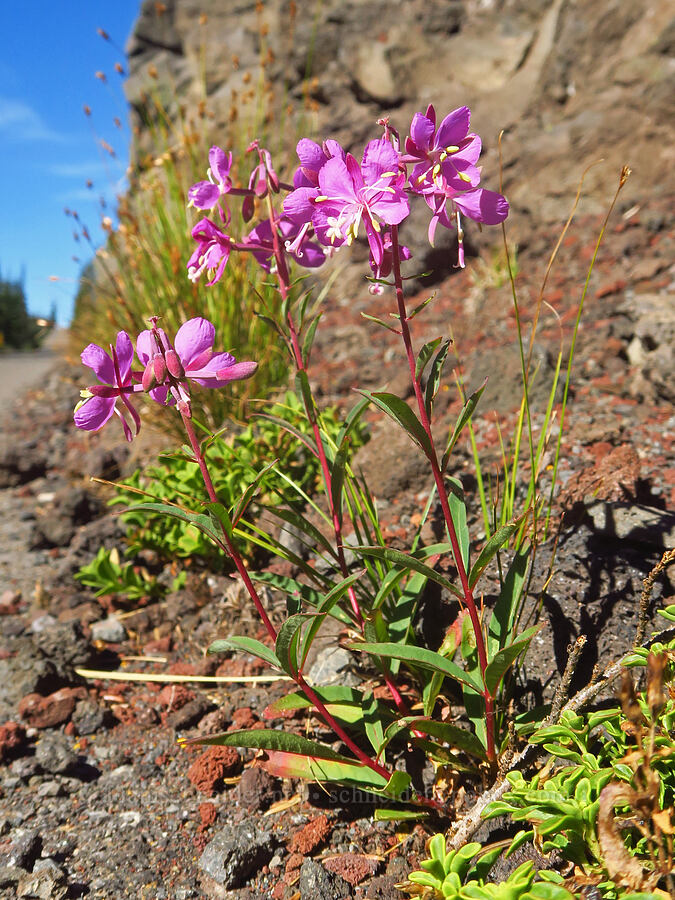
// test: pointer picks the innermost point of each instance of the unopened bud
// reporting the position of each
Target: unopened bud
(159, 367)
(174, 365)
(247, 208)
(148, 380)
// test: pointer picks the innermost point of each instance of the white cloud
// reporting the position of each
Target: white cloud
(20, 122)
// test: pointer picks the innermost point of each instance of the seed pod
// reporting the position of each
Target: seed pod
(159, 367)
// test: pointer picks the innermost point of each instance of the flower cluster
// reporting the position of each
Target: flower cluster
(333, 194)
(167, 370)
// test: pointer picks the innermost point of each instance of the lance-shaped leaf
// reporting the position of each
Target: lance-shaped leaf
(400, 412)
(240, 507)
(424, 356)
(503, 659)
(458, 512)
(505, 611)
(419, 656)
(202, 521)
(460, 424)
(434, 379)
(309, 340)
(498, 539)
(406, 561)
(288, 640)
(248, 645)
(351, 419)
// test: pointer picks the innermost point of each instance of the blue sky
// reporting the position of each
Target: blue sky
(49, 148)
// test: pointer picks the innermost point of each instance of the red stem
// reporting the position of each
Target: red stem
(443, 497)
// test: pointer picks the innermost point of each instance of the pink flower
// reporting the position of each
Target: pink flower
(191, 358)
(212, 251)
(205, 194)
(349, 194)
(115, 376)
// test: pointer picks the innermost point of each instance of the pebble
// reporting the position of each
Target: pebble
(110, 631)
(235, 853)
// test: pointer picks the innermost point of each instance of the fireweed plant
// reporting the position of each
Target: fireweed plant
(332, 199)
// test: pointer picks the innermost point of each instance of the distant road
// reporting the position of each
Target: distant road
(20, 371)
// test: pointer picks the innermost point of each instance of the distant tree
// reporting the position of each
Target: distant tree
(17, 329)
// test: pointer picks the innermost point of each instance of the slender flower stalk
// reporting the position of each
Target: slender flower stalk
(432, 456)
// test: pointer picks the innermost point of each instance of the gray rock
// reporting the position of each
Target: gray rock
(236, 853)
(47, 881)
(89, 717)
(25, 848)
(54, 753)
(10, 875)
(635, 522)
(333, 666)
(109, 630)
(316, 883)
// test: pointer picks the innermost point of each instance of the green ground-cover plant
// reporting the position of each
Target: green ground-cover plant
(372, 589)
(106, 575)
(603, 802)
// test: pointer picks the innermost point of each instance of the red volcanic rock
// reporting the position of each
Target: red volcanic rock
(207, 771)
(11, 738)
(311, 836)
(174, 696)
(47, 712)
(207, 815)
(353, 867)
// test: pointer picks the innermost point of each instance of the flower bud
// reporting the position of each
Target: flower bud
(247, 208)
(149, 381)
(174, 365)
(159, 367)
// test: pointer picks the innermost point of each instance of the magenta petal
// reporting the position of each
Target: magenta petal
(204, 195)
(125, 354)
(97, 359)
(335, 180)
(298, 205)
(193, 338)
(145, 347)
(378, 157)
(220, 163)
(310, 154)
(482, 205)
(237, 371)
(454, 128)
(212, 367)
(421, 131)
(93, 414)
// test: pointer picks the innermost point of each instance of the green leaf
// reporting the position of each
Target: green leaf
(337, 480)
(434, 379)
(200, 520)
(396, 815)
(419, 656)
(242, 504)
(286, 647)
(462, 420)
(381, 322)
(248, 645)
(410, 562)
(505, 612)
(424, 356)
(418, 309)
(456, 737)
(458, 512)
(222, 516)
(352, 418)
(504, 658)
(498, 539)
(400, 412)
(309, 340)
